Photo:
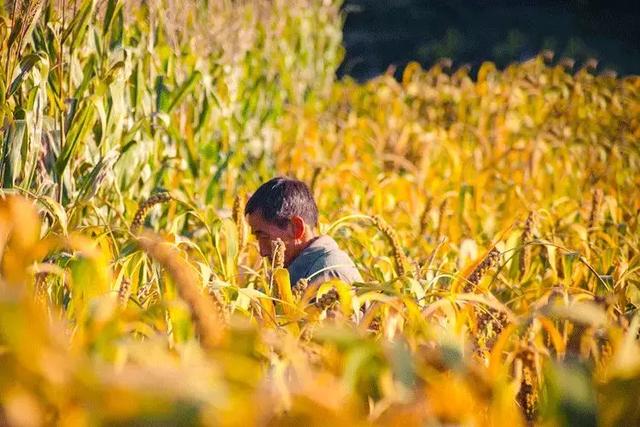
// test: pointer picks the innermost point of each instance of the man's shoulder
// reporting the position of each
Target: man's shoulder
(334, 260)
(324, 242)
(331, 254)
(324, 255)
(319, 249)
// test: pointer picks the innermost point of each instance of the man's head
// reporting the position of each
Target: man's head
(282, 208)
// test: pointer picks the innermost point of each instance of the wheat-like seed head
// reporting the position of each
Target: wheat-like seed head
(489, 323)
(124, 291)
(29, 13)
(206, 317)
(25, 14)
(525, 253)
(327, 300)
(476, 275)
(278, 249)
(314, 178)
(596, 203)
(300, 287)
(142, 293)
(424, 218)
(238, 218)
(147, 294)
(399, 256)
(527, 396)
(144, 207)
(441, 218)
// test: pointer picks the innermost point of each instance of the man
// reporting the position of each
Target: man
(284, 208)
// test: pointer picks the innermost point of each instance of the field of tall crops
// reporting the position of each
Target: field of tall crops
(494, 219)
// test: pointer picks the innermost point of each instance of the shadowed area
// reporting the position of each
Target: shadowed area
(382, 33)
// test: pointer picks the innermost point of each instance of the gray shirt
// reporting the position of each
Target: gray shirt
(323, 253)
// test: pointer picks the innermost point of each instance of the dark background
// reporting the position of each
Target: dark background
(379, 33)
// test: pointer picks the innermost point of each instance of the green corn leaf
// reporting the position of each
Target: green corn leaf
(112, 7)
(26, 65)
(184, 89)
(117, 30)
(80, 23)
(92, 182)
(89, 72)
(192, 158)
(3, 99)
(12, 149)
(231, 248)
(162, 95)
(136, 87)
(205, 113)
(78, 131)
(57, 211)
(215, 180)
(113, 72)
(15, 32)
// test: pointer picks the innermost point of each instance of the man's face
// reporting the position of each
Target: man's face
(266, 232)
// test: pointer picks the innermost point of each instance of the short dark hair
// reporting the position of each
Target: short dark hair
(281, 198)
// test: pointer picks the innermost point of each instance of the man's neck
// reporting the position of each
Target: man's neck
(309, 239)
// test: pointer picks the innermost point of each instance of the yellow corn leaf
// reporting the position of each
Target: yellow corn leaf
(281, 277)
(556, 336)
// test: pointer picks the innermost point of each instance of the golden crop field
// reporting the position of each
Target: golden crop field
(494, 219)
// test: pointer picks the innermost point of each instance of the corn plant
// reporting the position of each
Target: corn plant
(494, 220)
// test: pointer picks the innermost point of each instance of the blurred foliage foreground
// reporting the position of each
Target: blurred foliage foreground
(495, 222)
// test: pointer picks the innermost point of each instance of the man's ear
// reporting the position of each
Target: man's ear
(298, 225)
